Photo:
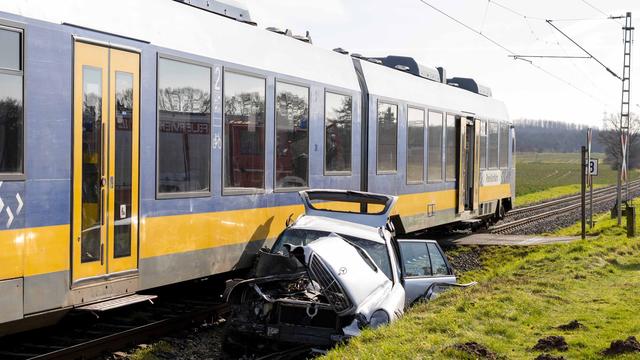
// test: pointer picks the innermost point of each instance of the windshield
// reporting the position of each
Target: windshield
(301, 237)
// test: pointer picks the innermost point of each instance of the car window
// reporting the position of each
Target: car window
(437, 261)
(301, 237)
(415, 258)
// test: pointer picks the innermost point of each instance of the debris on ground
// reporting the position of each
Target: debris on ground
(552, 342)
(475, 349)
(572, 325)
(623, 346)
(464, 261)
(549, 357)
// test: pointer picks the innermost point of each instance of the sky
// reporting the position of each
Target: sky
(570, 90)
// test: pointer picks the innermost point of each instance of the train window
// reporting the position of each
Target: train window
(184, 122)
(415, 145)
(292, 136)
(244, 136)
(11, 104)
(434, 169)
(483, 144)
(387, 153)
(493, 145)
(504, 145)
(450, 149)
(337, 133)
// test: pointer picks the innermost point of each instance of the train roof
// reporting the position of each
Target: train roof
(395, 84)
(180, 27)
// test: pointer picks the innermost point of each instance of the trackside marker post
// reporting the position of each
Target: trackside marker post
(583, 188)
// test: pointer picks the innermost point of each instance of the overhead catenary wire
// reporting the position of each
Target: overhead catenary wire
(550, 22)
(424, 2)
(557, 42)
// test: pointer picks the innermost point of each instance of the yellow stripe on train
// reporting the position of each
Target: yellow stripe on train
(41, 250)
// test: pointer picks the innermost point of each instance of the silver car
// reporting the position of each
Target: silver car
(332, 273)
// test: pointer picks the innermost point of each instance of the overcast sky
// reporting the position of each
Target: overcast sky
(408, 27)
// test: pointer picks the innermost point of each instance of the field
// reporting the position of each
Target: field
(524, 294)
(541, 176)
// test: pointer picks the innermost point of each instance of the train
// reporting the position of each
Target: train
(152, 142)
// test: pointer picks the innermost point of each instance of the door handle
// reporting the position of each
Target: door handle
(102, 254)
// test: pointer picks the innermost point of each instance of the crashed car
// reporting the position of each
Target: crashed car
(332, 273)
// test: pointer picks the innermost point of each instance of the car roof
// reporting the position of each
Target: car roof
(321, 223)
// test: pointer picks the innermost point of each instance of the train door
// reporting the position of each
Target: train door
(467, 165)
(105, 161)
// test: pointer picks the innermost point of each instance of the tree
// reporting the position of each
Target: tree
(609, 137)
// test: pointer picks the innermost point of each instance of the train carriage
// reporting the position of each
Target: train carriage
(138, 151)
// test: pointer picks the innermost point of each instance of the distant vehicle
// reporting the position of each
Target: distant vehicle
(332, 273)
(151, 142)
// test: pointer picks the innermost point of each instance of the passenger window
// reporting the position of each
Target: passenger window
(292, 136)
(493, 145)
(244, 121)
(337, 136)
(438, 264)
(415, 145)
(387, 153)
(184, 125)
(434, 170)
(483, 144)
(450, 147)
(11, 103)
(504, 145)
(415, 258)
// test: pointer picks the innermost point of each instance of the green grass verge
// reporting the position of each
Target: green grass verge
(524, 293)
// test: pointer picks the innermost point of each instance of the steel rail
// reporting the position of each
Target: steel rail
(561, 200)
(609, 195)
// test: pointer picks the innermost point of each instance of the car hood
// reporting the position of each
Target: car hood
(355, 274)
(344, 274)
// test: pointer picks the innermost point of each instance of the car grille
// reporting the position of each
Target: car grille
(331, 289)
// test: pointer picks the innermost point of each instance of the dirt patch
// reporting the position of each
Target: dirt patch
(623, 346)
(551, 343)
(572, 325)
(466, 260)
(475, 349)
(549, 357)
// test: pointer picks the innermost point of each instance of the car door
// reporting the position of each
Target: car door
(423, 263)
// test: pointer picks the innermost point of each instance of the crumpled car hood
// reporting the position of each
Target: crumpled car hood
(356, 274)
(343, 273)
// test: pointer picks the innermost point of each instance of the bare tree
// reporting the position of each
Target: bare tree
(609, 137)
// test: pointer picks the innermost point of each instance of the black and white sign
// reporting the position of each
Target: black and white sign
(592, 167)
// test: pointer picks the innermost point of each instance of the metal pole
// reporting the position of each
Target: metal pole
(583, 168)
(591, 202)
(590, 178)
(624, 114)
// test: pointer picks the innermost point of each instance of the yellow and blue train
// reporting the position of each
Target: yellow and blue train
(151, 142)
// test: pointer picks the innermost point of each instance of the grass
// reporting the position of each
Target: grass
(543, 176)
(524, 293)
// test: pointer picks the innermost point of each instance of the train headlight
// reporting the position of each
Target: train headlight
(379, 318)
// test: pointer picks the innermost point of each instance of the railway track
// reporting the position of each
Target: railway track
(526, 216)
(86, 336)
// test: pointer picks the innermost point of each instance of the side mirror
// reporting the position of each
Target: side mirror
(289, 220)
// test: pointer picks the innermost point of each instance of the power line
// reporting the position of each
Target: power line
(594, 8)
(508, 50)
(585, 50)
(467, 26)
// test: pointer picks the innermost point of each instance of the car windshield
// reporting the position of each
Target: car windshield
(301, 237)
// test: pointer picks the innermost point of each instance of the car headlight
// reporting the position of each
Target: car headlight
(379, 317)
